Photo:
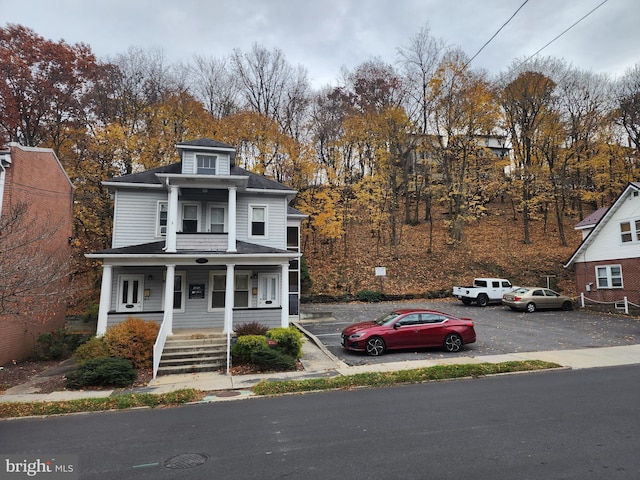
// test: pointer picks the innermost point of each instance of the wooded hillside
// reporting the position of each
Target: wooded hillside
(428, 167)
(493, 246)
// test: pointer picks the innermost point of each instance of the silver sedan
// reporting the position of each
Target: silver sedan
(531, 299)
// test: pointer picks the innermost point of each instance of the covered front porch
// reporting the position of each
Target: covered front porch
(195, 297)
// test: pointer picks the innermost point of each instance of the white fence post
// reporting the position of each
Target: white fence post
(582, 299)
(626, 306)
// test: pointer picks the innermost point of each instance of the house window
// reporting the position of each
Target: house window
(161, 224)
(179, 291)
(218, 288)
(189, 218)
(218, 282)
(293, 236)
(130, 293)
(609, 276)
(258, 225)
(216, 219)
(268, 291)
(625, 232)
(630, 231)
(207, 164)
(241, 293)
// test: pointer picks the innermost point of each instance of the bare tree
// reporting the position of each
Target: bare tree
(270, 86)
(213, 83)
(629, 104)
(584, 102)
(34, 277)
(419, 61)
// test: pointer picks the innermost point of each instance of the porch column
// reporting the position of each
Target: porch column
(168, 297)
(231, 236)
(284, 295)
(105, 299)
(228, 299)
(172, 220)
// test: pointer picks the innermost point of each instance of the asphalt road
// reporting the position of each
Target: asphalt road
(577, 424)
(499, 330)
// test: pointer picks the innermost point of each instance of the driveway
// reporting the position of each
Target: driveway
(499, 330)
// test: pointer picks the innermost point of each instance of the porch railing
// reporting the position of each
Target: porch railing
(216, 242)
(158, 347)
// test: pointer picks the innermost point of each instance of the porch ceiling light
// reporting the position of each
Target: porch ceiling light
(201, 260)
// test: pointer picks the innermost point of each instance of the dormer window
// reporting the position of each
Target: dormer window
(207, 164)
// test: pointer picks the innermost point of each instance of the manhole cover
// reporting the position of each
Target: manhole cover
(227, 393)
(187, 460)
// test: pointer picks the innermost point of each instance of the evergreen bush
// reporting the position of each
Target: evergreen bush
(246, 346)
(59, 344)
(274, 360)
(370, 296)
(287, 341)
(102, 372)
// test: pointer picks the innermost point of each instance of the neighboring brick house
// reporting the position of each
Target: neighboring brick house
(34, 177)
(607, 262)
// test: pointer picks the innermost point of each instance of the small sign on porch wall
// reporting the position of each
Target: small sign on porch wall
(196, 290)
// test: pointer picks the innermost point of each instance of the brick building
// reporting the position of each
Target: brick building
(35, 247)
(607, 262)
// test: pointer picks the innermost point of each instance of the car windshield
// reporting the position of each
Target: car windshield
(521, 290)
(386, 318)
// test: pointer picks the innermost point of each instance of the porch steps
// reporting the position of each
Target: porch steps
(193, 353)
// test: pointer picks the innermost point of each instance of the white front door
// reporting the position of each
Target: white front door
(130, 293)
(268, 291)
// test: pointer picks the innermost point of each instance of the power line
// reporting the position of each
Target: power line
(566, 30)
(496, 34)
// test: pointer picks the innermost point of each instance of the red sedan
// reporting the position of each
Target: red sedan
(409, 328)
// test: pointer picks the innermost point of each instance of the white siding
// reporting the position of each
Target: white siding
(189, 163)
(276, 222)
(608, 242)
(135, 217)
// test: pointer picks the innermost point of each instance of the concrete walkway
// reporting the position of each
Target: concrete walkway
(319, 362)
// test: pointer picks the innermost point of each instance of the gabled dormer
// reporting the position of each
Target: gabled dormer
(206, 157)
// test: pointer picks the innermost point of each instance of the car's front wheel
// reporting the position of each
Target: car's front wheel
(531, 307)
(375, 346)
(453, 342)
(566, 306)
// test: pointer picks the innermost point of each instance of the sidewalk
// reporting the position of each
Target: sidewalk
(319, 362)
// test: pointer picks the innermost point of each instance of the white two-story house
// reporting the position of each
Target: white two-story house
(201, 244)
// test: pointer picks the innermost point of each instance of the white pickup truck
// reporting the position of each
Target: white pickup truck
(483, 291)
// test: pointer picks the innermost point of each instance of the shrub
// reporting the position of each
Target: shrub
(305, 278)
(272, 360)
(91, 315)
(253, 328)
(287, 341)
(103, 372)
(59, 343)
(95, 347)
(370, 296)
(133, 339)
(246, 345)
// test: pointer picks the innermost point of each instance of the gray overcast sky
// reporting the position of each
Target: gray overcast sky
(324, 35)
